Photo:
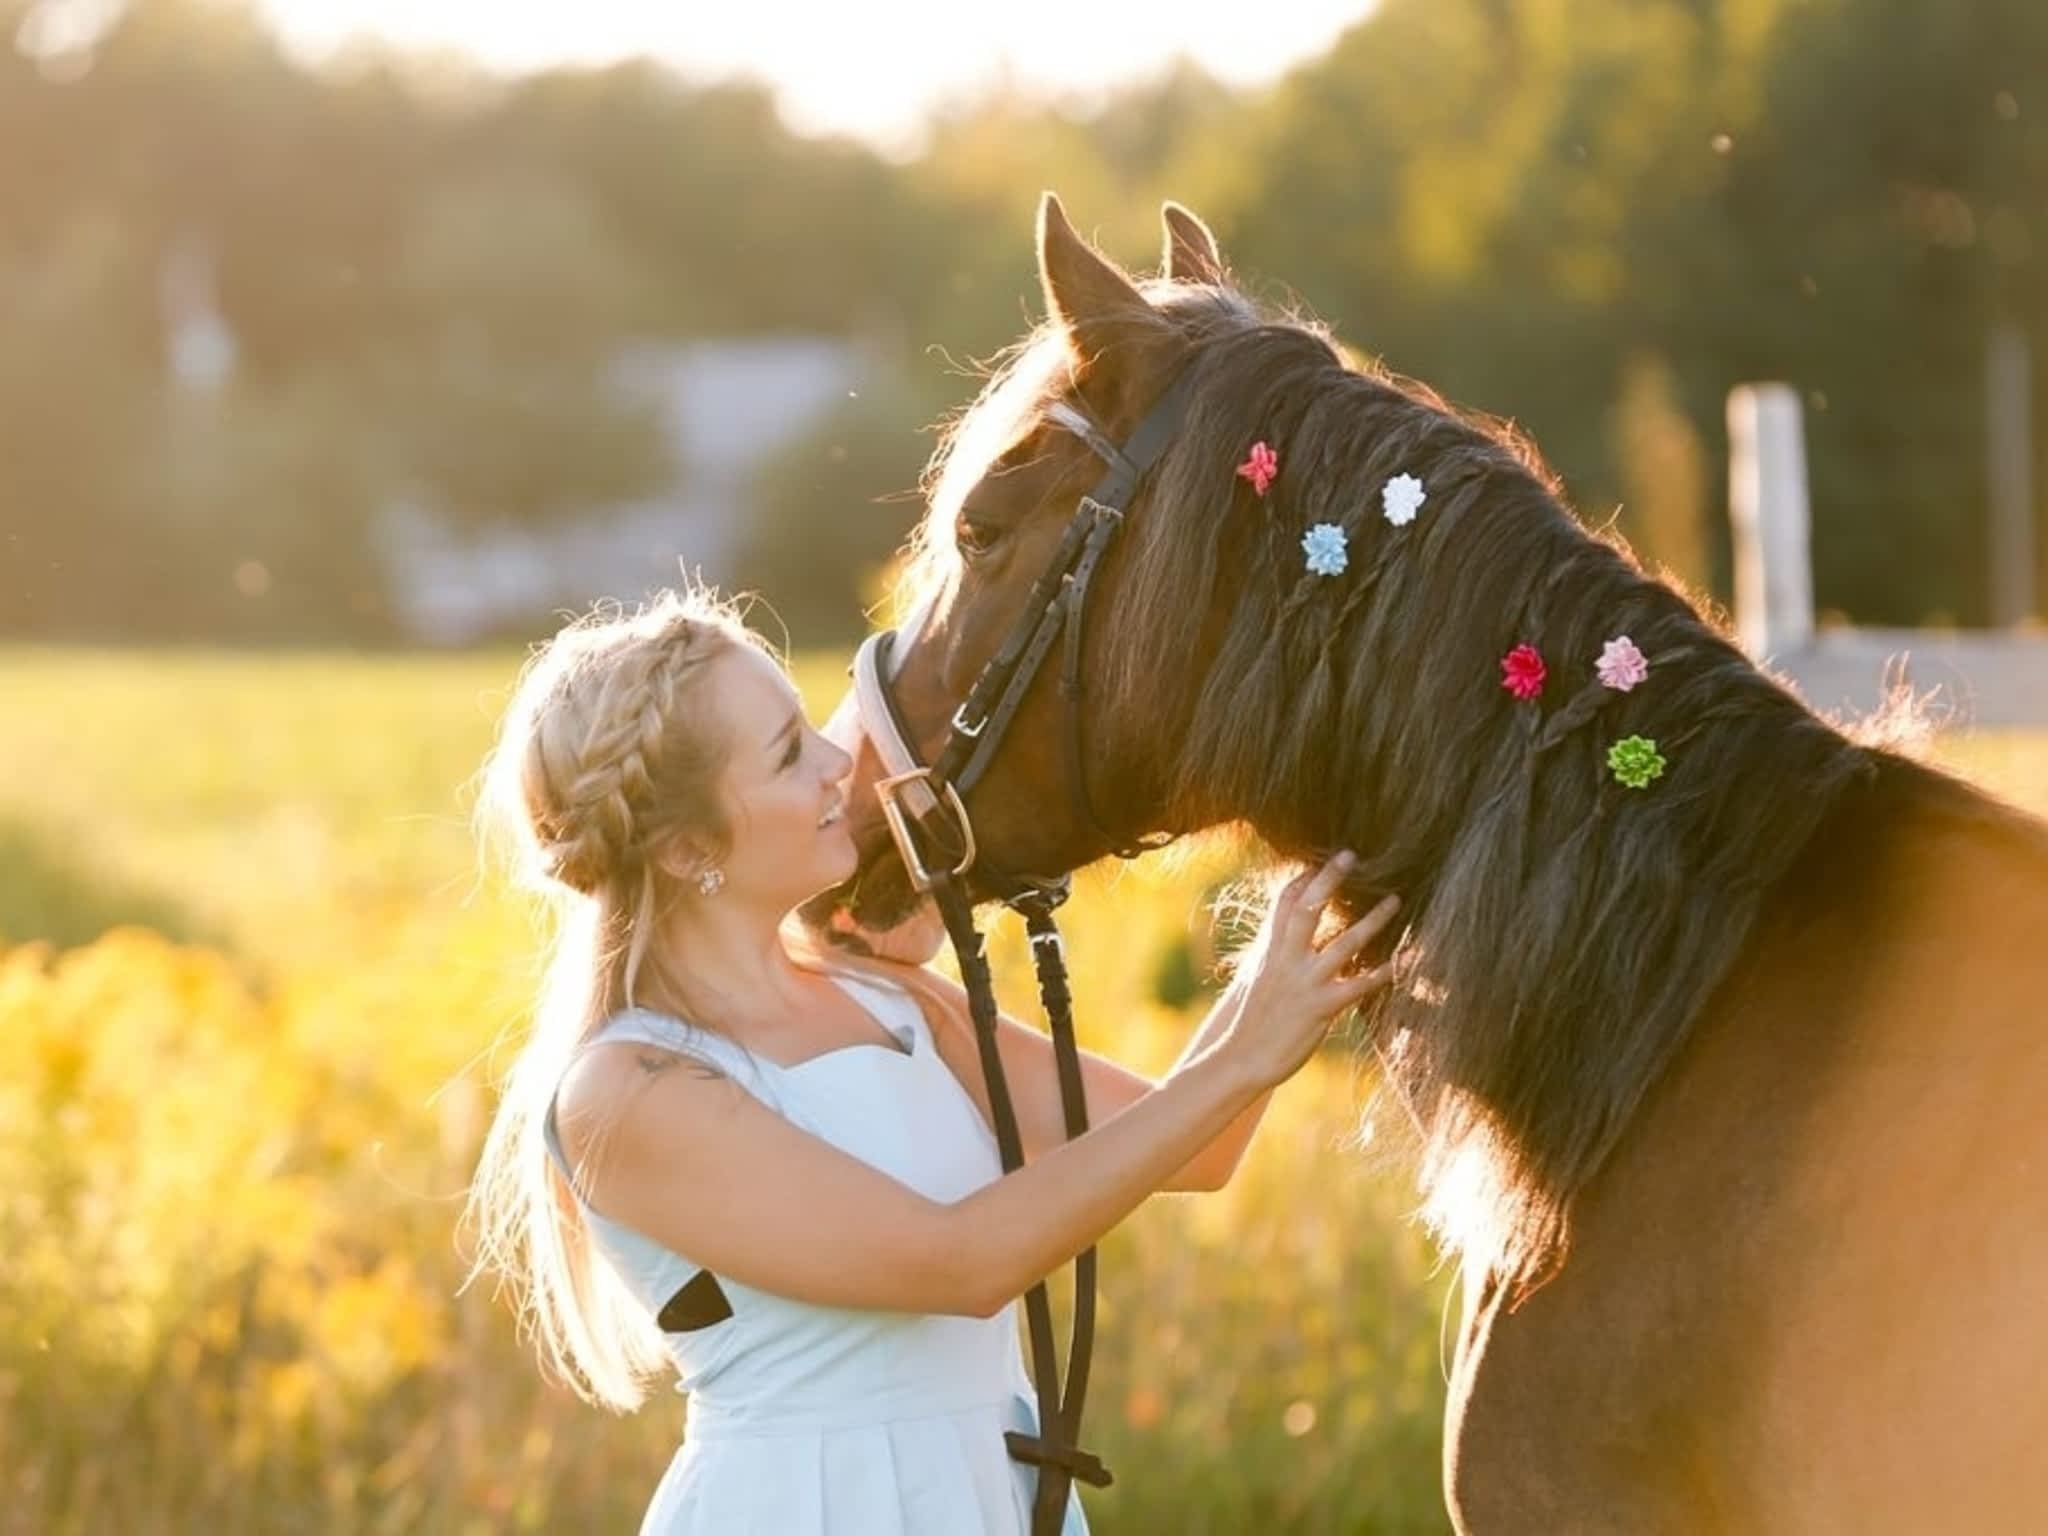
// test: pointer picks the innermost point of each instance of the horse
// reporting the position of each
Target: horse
(1718, 1039)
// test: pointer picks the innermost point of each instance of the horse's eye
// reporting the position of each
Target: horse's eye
(973, 538)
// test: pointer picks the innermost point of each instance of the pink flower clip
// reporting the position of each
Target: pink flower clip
(1522, 672)
(1621, 666)
(1261, 467)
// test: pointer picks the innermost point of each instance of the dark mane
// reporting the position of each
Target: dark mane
(1566, 931)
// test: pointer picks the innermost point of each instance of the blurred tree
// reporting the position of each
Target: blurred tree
(830, 510)
(74, 517)
(1877, 216)
(1514, 198)
(990, 157)
(746, 227)
(1591, 216)
(1664, 473)
(517, 298)
(1453, 185)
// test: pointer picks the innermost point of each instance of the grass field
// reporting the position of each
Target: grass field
(253, 996)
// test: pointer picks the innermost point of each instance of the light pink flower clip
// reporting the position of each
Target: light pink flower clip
(1621, 666)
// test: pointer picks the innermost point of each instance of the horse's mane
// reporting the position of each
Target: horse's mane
(1565, 931)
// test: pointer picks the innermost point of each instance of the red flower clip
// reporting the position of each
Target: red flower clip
(1261, 467)
(1522, 672)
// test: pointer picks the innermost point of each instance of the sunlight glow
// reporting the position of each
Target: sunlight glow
(873, 70)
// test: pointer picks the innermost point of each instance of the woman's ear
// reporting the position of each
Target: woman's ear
(684, 859)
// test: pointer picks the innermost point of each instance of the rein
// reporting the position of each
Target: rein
(927, 816)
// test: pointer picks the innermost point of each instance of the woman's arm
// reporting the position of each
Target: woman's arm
(693, 1161)
(1028, 1062)
(1108, 1086)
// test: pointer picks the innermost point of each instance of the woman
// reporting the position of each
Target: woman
(771, 1169)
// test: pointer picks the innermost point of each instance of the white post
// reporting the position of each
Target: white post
(2008, 419)
(1767, 501)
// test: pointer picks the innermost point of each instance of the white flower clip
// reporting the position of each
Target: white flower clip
(1324, 546)
(1403, 498)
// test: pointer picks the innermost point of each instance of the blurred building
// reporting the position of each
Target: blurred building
(200, 350)
(726, 407)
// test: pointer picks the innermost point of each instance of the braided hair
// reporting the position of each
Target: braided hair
(609, 757)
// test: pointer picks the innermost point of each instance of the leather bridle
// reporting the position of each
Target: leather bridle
(925, 806)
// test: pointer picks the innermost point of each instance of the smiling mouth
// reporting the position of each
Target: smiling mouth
(833, 817)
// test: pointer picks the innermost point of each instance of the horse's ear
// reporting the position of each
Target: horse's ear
(1191, 253)
(1084, 292)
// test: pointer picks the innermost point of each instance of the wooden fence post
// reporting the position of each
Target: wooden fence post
(1768, 504)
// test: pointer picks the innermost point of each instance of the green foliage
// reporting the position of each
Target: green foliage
(1548, 206)
(830, 512)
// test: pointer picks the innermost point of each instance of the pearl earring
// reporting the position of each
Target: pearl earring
(711, 881)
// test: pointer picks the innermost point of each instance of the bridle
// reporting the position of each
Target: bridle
(925, 807)
(928, 800)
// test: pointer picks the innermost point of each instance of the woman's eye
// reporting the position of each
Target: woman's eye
(793, 751)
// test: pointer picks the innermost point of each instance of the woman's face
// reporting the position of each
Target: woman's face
(785, 788)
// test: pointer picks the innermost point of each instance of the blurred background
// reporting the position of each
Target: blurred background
(342, 345)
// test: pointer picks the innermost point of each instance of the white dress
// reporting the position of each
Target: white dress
(820, 1421)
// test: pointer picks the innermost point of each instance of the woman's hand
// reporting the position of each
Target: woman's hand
(1290, 989)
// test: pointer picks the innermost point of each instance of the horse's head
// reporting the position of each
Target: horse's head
(1006, 488)
(1334, 609)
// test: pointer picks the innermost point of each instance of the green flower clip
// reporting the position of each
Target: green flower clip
(1635, 761)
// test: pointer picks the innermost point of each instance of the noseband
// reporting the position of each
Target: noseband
(927, 814)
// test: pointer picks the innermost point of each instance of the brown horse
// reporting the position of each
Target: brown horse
(1728, 1084)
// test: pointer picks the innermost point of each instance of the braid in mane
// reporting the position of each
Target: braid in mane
(1565, 930)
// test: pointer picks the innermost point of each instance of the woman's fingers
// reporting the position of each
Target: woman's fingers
(1328, 880)
(1347, 946)
(1306, 895)
(1356, 989)
(1291, 893)
(1364, 930)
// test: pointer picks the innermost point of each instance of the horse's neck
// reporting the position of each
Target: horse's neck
(1827, 1230)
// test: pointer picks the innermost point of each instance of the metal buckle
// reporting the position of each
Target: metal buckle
(969, 731)
(1101, 509)
(887, 790)
(1052, 939)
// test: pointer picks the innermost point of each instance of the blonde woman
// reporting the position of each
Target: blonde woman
(770, 1170)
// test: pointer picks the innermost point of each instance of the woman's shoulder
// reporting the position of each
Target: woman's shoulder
(635, 1048)
(608, 1073)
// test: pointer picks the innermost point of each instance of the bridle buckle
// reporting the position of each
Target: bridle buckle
(889, 791)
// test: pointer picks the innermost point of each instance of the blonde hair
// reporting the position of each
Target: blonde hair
(608, 754)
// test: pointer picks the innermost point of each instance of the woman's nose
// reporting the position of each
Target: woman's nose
(838, 763)
(843, 730)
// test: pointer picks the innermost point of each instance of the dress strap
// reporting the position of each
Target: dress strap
(892, 1006)
(667, 1033)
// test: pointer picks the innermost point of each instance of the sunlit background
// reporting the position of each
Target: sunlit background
(341, 345)
(876, 72)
